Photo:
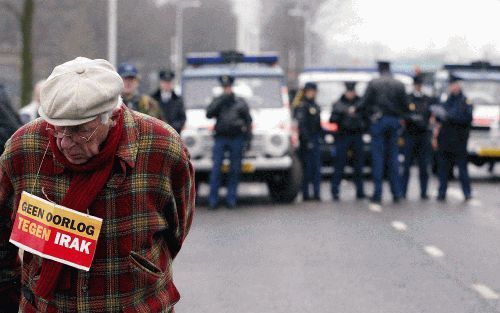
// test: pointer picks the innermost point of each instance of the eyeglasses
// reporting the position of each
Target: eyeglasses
(71, 133)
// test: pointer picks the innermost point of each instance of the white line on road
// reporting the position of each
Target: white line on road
(399, 225)
(434, 251)
(485, 291)
(375, 207)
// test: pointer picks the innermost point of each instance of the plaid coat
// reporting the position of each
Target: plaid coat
(146, 206)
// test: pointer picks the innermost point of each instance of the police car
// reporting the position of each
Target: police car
(331, 86)
(261, 82)
(481, 85)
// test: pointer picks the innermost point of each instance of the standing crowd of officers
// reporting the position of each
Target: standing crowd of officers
(383, 112)
(386, 112)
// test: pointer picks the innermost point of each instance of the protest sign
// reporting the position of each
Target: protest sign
(55, 232)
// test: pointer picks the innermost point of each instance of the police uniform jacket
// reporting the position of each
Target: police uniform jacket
(309, 120)
(455, 125)
(173, 110)
(348, 123)
(232, 114)
(385, 96)
(417, 114)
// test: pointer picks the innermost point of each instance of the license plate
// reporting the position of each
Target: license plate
(246, 168)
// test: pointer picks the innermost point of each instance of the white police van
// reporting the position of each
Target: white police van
(331, 86)
(481, 85)
(261, 82)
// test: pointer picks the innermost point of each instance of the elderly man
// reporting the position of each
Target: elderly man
(90, 153)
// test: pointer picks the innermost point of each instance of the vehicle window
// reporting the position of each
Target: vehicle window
(482, 92)
(259, 92)
(331, 91)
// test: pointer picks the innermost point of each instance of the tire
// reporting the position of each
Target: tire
(284, 187)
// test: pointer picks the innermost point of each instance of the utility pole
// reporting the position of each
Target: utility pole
(305, 14)
(112, 31)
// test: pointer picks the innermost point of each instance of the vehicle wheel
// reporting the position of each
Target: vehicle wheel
(284, 187)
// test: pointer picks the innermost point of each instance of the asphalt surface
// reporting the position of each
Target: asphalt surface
(347, 256)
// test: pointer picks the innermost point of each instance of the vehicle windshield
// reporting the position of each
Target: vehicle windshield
(259, 92)
(482, 92)
(331, 91)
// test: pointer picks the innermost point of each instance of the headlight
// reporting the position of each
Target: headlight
(189, 141)
(193, 142)
(276, 144)
(276, 140)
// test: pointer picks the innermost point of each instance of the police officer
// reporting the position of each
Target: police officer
(131, 96)
(308, 117)
(385, 100)
(171, 104)
(347, 113)
(232, 130)
(450, 138)
(417, 136)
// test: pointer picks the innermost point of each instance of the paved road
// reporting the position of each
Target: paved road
(350, 256)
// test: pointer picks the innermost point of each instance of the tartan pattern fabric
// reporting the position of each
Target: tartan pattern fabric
(147, 207)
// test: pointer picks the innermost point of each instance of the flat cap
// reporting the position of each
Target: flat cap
(166, 75)
(78, 91)
(226, 80)
(311, 85)
(128, 70)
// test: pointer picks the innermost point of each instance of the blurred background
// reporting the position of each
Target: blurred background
(37, 35)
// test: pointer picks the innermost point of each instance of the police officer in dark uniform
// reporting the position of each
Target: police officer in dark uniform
(309, 122)
(384, 101)
(232, 130)
(451, 136)
(417, 136)
(348, 115)
(171, 104)
(132, 98)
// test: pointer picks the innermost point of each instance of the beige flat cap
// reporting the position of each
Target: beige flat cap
(78, 91)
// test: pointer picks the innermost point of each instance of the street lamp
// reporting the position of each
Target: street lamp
(179, 8)
(306, 16)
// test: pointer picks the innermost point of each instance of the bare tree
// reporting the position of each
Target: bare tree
(24, 16)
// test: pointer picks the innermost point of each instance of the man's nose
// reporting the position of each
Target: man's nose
(67, 142)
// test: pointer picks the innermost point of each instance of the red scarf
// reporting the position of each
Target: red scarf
(87, 182)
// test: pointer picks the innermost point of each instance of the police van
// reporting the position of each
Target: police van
(481, 85)
(331, 86)
(271, 157)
